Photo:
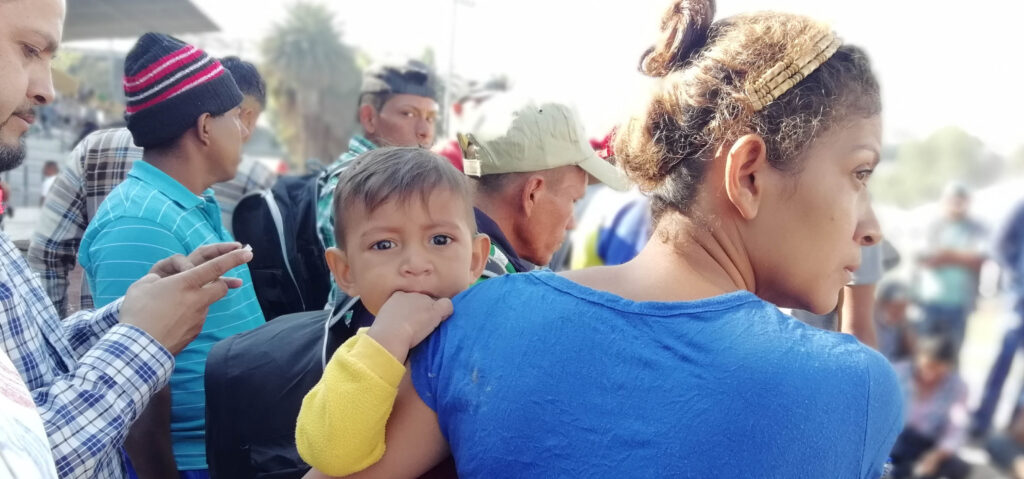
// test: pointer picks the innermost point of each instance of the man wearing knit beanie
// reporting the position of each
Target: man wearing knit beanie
(91, 374)
(183, 110)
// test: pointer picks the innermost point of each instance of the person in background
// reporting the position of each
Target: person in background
(935, 402)
(611, 226)
(947, 286)
(896, 336)
(91, 375)
(1009, 246)
(530, 164)
(50, 171)
(96, 166)
(397, 107)
(191, 140)
(1007, 448)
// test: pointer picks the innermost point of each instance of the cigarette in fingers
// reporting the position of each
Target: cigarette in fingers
(247, 247)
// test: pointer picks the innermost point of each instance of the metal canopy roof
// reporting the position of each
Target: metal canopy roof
(103, 19)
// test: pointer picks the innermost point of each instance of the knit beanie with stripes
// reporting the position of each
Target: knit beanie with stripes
(168, 84)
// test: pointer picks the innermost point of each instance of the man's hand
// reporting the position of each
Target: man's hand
(179, 263)
(406, 319)
(172, 309)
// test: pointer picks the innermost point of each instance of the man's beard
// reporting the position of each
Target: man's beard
(11, 156)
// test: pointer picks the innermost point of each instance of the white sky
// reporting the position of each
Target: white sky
(940, 62)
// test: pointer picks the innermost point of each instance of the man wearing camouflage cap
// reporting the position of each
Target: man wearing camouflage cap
(397, 107)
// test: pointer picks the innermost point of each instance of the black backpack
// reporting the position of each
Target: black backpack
(254, 392)
(289, 272)
(255, 382)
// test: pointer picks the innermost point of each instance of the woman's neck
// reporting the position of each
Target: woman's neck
(683, 261)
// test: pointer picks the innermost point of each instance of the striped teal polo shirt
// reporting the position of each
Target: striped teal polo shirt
(149, 217)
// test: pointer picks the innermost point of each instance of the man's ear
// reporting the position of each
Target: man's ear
(531, 189)
(204, 129)
(249, 119)
(746, 165)
(481, 252)
(368, 119)
(337, 261)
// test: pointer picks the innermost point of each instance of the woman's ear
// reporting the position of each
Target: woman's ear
(746, 163)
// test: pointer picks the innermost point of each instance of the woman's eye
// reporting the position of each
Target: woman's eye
(441, 240)
(32, 52)
(864, 175)
(383, 245)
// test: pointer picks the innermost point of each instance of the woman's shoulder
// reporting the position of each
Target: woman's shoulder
(837, 357)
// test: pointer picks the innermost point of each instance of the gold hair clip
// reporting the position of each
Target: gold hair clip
(802, 59)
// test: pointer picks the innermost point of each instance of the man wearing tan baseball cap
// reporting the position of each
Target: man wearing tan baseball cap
(530, 163)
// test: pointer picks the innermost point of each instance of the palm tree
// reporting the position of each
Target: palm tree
(313, 84)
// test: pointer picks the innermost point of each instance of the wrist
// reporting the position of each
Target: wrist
(394, 340)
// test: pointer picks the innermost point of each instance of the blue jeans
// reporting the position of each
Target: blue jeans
(1013, 340)
(948, 321)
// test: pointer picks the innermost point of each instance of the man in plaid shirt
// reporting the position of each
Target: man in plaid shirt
(97, 165)
(93, 373)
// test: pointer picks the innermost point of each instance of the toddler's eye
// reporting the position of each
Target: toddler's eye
(383, 245)
(441, 240)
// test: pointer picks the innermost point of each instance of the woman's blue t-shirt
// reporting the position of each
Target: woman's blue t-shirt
(537, 376)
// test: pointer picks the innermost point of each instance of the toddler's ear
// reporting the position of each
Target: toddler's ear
(481, 251)
(337, 261)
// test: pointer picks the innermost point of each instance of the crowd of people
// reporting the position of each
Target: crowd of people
(668, 299)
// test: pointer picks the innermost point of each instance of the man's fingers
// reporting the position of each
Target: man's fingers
(171, 266)
(211, 251)
(149, 278)
(215, 268)
(233, 283)
(213, 292)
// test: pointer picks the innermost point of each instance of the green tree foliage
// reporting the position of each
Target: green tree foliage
(1015, 163)
(314, 82)
(915, 172)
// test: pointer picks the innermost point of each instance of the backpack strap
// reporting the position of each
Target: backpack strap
(337, 315)
(275, 213)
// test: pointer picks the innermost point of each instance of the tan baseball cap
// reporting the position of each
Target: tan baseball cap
(534, 137)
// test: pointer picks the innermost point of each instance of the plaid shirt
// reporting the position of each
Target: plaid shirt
(90, 377)
(325, 202)
(96, 166)
(329, 180)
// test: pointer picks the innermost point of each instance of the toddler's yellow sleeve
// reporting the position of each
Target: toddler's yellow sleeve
(340, 429)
